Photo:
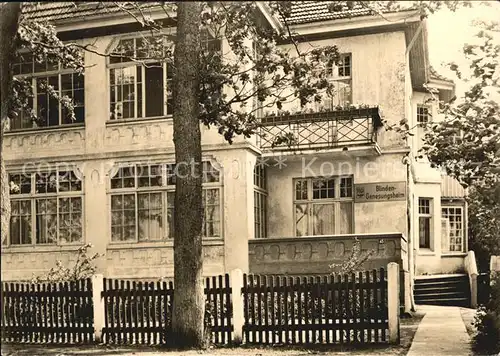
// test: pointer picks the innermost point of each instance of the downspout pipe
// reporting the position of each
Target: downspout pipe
(410, 176)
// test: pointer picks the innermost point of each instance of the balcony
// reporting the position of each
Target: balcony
(317, 131)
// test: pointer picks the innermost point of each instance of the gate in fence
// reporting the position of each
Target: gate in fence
(350, 308)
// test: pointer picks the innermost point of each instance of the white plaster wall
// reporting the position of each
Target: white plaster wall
(378, 75)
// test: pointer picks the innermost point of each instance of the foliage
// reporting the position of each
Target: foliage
(467, 143)
(487, 322)
(484, 223)
(39, 40)
(82, 269)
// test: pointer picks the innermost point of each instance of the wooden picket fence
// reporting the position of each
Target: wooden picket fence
(54, 313)
(141, 313)
(136, 312)
(350, 308)
(219, 309)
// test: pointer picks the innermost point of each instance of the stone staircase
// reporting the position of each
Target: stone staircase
(447, 289)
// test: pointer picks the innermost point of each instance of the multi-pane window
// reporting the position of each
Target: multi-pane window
(454, 215)
(422, 114)
(49, 81)
(260, 201)
(341, 75)
(323, 206)
(46, 208)
(425, 222)
(140, 78)
(142, 202)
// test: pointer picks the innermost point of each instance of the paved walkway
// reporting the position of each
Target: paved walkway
(441, 332)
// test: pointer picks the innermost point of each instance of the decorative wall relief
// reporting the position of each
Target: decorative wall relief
(151, 261)
(24, 265)
(150, 135)
(315, 254)
(46, 141)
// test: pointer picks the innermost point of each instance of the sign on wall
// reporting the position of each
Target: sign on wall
(389, 191)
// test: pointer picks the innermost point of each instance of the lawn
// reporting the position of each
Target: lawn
(408, 329)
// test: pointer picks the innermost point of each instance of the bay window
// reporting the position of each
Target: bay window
(46, 208)
(323, 206)
(142, 202)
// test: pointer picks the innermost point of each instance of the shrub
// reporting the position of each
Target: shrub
(487, 321)
(355, 261)
(84, 268)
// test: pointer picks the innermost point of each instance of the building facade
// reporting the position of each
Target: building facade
(106, 178)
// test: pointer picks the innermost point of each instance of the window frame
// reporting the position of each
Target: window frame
(164, 189)
(139, 64)
(33, 197)
(420, 116)
(430, 218)
(310, 202)
(34, 76)
(260, 210)
(462, 230)
(167, 96)
(334, 76)
(142, 67)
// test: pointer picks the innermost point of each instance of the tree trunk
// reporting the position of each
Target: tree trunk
(9, 22)
(189, 300)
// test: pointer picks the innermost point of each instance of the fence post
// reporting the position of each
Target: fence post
(236, 282)
(393, 287)
(98, 301)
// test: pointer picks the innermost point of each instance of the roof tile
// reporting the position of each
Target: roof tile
(312, 11)
(302, 11)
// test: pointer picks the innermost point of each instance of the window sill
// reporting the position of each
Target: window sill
(156, 244)
(130, 121)
(67, 127)
(426, 252)
(456, 254)
(40, 248)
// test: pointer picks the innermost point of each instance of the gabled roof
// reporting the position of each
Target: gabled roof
(302, 11)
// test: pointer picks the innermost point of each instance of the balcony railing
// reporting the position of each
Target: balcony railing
(317, 130)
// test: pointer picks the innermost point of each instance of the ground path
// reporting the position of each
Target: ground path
(441, 332)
